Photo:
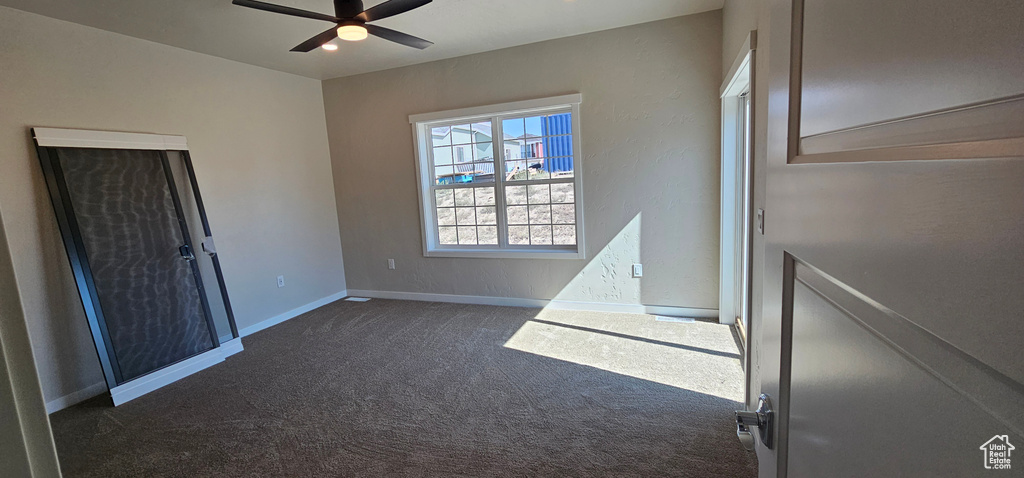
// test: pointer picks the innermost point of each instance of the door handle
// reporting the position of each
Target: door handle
(186, 253)
(763, 419)
(209, 247)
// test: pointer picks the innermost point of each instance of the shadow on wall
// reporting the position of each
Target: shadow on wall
(600, 280)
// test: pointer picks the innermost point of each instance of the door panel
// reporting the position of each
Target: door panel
(220, 307)
(894, 239)
(867, 383)
(931, 240)
(910, 56)
(125, 212)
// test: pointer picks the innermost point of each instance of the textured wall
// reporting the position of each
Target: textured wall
(650, 125)
(739, 17)
(260, 150)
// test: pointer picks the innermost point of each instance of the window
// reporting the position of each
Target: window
(525, 201)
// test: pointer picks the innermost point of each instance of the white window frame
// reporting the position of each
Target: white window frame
(421, 125)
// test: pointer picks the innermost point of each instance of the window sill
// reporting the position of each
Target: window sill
(506, 254)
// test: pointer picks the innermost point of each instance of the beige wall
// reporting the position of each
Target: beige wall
(260, 149)
(739, 17)
(650, 126)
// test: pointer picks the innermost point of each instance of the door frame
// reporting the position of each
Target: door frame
(737, 198)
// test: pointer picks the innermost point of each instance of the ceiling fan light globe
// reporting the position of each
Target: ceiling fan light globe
(352, 32)
(329, 47)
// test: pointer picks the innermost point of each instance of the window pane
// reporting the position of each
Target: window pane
(540, 194)
(519, 235)
(487, 235)
(517, 215)
(526, 170)
(445, 216)
(482, 132)
(441, 136)
(563, 193)
(563, 214)
(565, 235)
(534, 148)
(442, 156)
(444, 197)
(558, 145)
(484, 196)
(513, 128)
(466, 216)
(558, 124)
(464, 197)
(483, 152)
(486, 215)
(472, 173)
(467, 236)
(534, 126)
(540, 235)
(515, 195)
(461, 134)
(447, 235)
(463, 153)
(514, 149)
(482, 172)
(560, 167)
(540, 214)
(516, 171)
(444, 174)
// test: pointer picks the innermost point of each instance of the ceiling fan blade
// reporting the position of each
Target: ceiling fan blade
(398, 37)
(317, 41)
(390, 8)
(295, 12)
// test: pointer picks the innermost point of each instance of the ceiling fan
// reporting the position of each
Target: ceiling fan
(350, 22)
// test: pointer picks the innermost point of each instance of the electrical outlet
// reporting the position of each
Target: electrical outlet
(280, 281)
(391, 264)
(638, 270)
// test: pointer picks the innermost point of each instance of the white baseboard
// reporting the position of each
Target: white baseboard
(168, 375)
(151, 382)
(231, 347)
(78, 396)
(541, 303)
(277, 319)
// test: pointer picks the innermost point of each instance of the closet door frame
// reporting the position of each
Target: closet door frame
(48, 141)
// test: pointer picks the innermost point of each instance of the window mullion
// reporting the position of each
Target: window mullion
(498, 139)
(431, 168)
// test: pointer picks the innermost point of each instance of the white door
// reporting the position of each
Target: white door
(893, 314)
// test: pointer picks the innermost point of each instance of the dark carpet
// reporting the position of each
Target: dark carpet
(393, 388)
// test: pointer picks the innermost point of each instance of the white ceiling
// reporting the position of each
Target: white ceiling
(457, 27)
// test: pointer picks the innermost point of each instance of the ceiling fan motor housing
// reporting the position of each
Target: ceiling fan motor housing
(351, 21)
(347, 8)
